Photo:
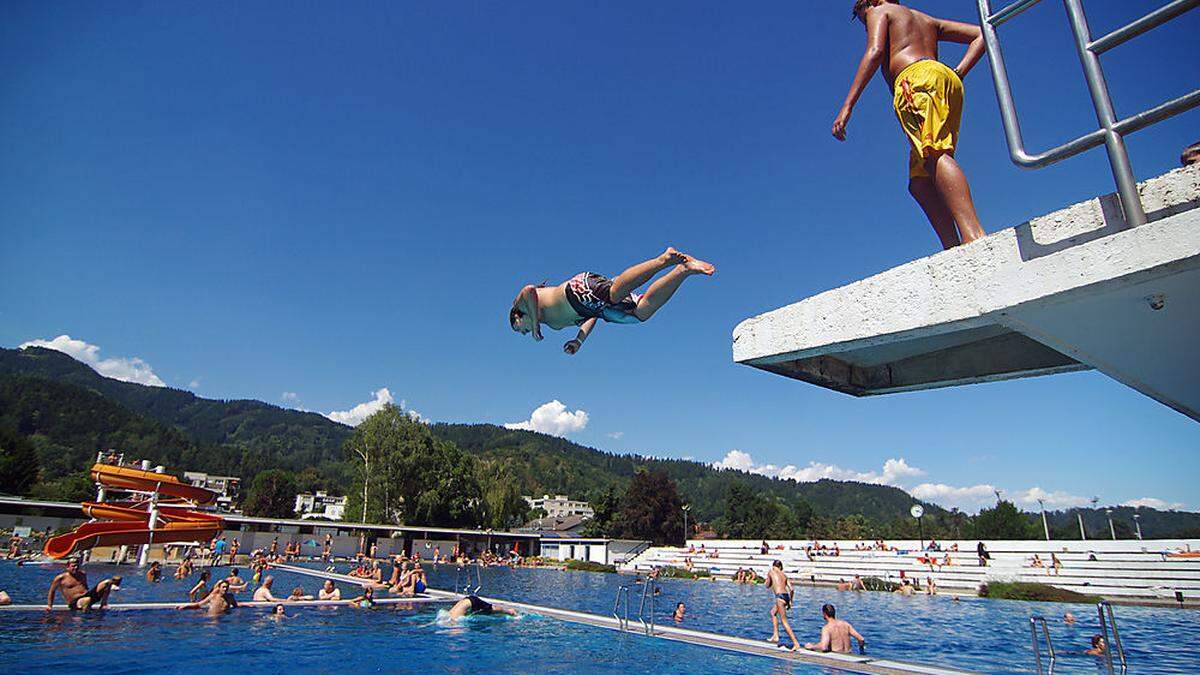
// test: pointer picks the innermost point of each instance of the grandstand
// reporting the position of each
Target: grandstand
(1163, 571)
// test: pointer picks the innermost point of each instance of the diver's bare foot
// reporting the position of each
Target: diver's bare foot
(673, 257)
(773, 638)
(697, 266)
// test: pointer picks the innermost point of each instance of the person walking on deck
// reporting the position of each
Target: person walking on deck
(588, 296)
(781, 587)
(928, 99)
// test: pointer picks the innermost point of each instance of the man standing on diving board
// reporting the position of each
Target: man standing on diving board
(587, 296)
(928, 98)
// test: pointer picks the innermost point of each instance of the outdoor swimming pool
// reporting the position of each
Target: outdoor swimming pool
(989, 636)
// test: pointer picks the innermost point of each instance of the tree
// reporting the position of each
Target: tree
(18, 462)
(651, 509)
(407, 475)
(272, 495)
(1004, 521)
(605, 508)
(503, 505)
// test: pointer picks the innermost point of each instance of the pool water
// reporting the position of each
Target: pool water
(388, 639)
(974, 634)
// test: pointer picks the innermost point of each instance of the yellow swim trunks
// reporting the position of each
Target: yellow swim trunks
(928, 100)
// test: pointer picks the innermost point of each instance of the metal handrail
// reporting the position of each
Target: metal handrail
(1037, 647)
(1102, 608)
(647, 590)
(622, 623)
(1111, 132)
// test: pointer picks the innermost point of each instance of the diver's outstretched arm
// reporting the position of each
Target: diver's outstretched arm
(576, 344)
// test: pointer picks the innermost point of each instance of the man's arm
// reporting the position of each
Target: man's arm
(862, 641)
(823, 645)
(585, 329)
(53, 587)
(877, 25)
(529, 300)
(966, 34)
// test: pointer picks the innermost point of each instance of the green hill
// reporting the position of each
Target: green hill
(70, 412)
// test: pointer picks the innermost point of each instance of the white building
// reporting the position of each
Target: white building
(320, 506)
(560, 506)
(226, 487)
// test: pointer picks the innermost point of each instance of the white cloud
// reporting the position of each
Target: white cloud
(616, 435)
(194, 384)
(362, 411)
(1154, 503)
(125, 369)
(893, 473)
(899, 473)
(553, 418)
(289, 397)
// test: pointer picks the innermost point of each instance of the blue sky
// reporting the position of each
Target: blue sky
(307, 203)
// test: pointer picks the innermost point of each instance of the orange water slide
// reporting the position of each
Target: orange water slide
(128, 522)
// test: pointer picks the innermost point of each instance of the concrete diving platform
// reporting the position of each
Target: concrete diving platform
(1073, 290)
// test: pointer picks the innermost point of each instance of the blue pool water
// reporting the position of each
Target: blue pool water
(982, 635)
(386, 639)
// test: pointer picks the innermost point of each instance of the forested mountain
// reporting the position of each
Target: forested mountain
(68, 412)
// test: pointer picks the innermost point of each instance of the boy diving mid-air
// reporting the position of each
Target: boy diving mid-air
(587, 296)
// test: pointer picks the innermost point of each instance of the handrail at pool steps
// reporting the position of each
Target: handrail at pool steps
(647, 591)
(622, 623)
(1034, 621)
(1102, 608)
(1112, 131)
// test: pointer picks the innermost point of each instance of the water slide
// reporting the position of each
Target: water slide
(128, 522)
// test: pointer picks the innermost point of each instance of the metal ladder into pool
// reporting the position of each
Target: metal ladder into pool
(622, 621)
(1107, 618)
(647, 592)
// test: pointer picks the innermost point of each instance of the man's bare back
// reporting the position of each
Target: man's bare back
(837, 633)
(911, 36)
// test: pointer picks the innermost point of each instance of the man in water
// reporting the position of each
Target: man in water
(587, 296)
(73, 585)
(473, 604)
(154, 572)
(836, 634)
(781, 586)
(263, 593)
(219, 601)
(329, 592)
(235, 582)
(928, 97)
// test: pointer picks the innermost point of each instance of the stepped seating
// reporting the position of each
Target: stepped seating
(1120, 569)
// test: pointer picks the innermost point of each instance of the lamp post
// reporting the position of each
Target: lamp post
(1111, 530)
(1045, 526)
(1082, 534)
(685, 508)
(1137, 523)
(917, 511)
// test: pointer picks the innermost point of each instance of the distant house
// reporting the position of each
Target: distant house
(226, 487)
(568, 526)
(561, 506)
(320, 506)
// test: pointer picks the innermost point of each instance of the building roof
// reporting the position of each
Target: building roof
(550, 526)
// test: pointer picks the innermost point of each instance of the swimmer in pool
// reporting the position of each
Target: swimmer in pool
(298, 594)
(263, 593)
(73, 585)
(154, 572)
(586, 297)
(329, 592)
(236, 583)
(679, 610)
(219, 601)
(781, 586)
(836, 634)
(201, 587)
(366, 600)
(473, 605)
(1099, 646)
(279, 612)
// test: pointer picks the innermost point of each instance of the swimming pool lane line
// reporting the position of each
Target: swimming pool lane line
(851, 662)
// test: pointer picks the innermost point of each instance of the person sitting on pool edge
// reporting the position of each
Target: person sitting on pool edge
(835, 634)
(73, 585)
(587, 296)
(473, 604)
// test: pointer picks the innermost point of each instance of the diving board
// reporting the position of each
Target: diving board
(1073, 290)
